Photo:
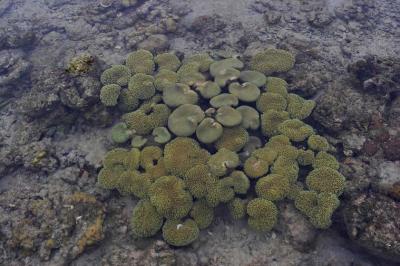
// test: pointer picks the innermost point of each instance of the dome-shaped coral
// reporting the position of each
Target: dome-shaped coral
(237, 208)
(222, 161)
(272, 60)
(209, 131)
(273, 187)
(318, 143)
(295, 130)
(202, 214)
(181, 154)
(271, 101)
(271, 120)
(298, 107)
(199, 179)
(109, 94)
(117, 74)
(184, 120)
(178, 233)
(167, 61)
(325, 179)
(169, 196)
(165, 79)
(145, 221)
(233, 139)
(263, 214)
(140, 61)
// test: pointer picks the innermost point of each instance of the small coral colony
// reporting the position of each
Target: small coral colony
(204, 133)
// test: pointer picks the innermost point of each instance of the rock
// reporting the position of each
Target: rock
(206, 24)
(334, 250)
(155, 43)
(391, 149)
(13, 66)
(13, 37)
(373, 222)
(343, 108)
(352, 143)
(297, 229)
(376, 75)
(389, 175)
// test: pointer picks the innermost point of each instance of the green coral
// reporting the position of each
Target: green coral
(170, 107)
(184, 120)
(282, 146)
(178, 233)
(318, 143)
(161, 135)
(324, 159)
(117, 74)
(250, 117)
(255, 167)
(165, 79)
(167, 61)
(263, 214)
(298, 107)
(138, 141)
(273, 187)
(237, 208)
(147, 118)
(120, 133)
(169, 196)
(233, 139)
(246, 92)
(228, 116)
(305, 157)
(295, 130)
(140, 61)
(202, 214)
(190, 74)
(142, 86)
(120, 172)
(128, 101)
(286, 167)
(317, 207)
(208, 89)
(145, 221)
(325, 179)
(238, 181)
(277, 85)
(182, 153)
(226, 70)
(209, 131)
(109, 94)
(271, 101)
(224, 99)
(271, 120)
(255, 77)
(179, 94)
(149, 156)
(199, 179)
(272, 60)
(203, 60)
(222, 161)
(259, 162)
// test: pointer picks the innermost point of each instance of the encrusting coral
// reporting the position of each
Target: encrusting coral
(208, 132)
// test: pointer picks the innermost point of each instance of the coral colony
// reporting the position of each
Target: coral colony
(207, 132)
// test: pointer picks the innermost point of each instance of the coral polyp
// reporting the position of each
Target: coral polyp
(192, 122)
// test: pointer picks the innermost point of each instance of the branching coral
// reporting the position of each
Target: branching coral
(196, 128)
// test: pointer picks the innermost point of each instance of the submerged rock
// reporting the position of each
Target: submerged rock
(373, 221)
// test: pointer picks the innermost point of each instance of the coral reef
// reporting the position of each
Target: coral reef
(200, 127)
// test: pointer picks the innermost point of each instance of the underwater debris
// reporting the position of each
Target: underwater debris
(192, 124)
